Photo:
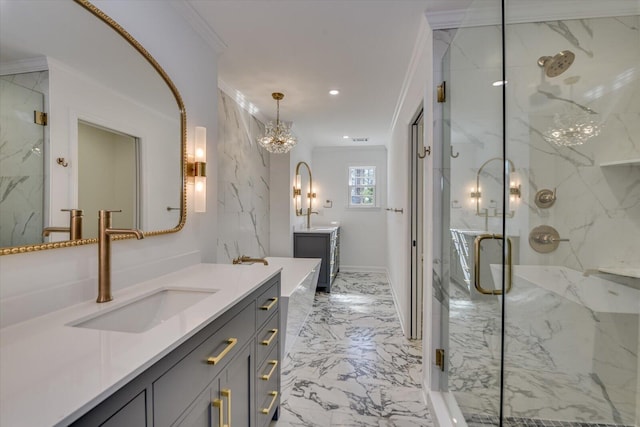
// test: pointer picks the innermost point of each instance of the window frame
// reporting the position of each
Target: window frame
(351, 186)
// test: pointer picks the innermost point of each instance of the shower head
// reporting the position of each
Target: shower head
(558, 64)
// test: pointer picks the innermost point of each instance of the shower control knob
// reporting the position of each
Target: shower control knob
(545, 239)
(545, 198)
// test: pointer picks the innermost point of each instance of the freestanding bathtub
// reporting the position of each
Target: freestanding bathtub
(299, 278)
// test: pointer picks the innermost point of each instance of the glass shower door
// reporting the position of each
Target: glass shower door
(21, 159)
(571, 321)
(473, 213)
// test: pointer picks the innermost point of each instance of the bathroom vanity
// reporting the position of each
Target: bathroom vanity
(320, 242)
(216, 357)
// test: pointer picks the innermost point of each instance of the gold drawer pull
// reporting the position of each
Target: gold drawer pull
(267, 377)
(231, 342)
(273, 401)
(269, 306)
(273, 332)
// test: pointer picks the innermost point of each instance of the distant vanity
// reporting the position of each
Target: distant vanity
(320, 242)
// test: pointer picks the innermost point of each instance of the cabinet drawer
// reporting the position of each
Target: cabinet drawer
(179, 386)
(267, 338)
(268, 303)
(266, 401)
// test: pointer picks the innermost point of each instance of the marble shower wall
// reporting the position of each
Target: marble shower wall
(598, 207)
(243, 182)
(22, 158)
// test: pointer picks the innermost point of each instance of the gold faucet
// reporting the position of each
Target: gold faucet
(104, 252)
(75, 225)
(244, 258)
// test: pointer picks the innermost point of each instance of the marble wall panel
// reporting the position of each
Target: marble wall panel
(598, 207)
(243, 180)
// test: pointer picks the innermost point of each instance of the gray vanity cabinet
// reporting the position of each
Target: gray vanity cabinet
(183, 389)
(320, 244)
(228, 397)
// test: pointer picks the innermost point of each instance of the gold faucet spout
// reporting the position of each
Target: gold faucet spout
(48, 230)
(243, 259)
(125, 231)
(105, 231)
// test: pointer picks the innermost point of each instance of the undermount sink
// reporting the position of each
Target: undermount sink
(145, 312)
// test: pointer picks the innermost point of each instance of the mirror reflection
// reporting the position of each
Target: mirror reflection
(111, 138)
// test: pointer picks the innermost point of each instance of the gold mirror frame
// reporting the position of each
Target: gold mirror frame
(183, 132)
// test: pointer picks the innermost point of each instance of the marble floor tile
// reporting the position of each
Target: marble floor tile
(351, 365)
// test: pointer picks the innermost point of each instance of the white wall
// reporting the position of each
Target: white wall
(283, 219)
(363, 239)
(398, 226)
(40, 282)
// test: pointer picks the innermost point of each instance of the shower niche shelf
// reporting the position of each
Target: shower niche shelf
(634, 162)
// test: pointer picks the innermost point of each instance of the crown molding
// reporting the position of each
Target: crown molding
(416, 58)
(239, 98)
(521, 11)
(199, 25)
(29, 65)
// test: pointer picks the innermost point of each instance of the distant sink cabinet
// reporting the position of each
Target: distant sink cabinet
(230, 370)
(321, 243)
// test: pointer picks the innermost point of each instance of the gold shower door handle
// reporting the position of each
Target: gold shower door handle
(476, 267)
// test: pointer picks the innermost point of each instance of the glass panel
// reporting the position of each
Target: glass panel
(472, 200)
(571, 322)
(21, 158)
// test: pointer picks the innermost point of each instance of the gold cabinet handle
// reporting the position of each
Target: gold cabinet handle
(273, 401)
(218, 404)
(273, 332)
(227, 393)
(269, 306)
(231, 342)
(476, 267)
(274, 364)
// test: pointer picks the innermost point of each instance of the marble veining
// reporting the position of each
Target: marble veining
(563, 360)
(243, 176)
(22, 151)
(351, 365)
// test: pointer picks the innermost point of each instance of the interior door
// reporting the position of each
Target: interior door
(417, 155)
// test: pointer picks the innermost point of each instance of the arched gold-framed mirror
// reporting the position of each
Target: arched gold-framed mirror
(96, 73)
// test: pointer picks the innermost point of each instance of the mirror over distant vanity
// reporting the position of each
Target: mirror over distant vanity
(89, 120)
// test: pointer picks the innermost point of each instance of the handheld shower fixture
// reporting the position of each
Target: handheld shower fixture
(558, 64)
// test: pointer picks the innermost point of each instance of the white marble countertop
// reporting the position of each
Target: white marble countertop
(50, 373)
(317, 229)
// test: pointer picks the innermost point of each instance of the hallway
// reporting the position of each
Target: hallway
(351, 365)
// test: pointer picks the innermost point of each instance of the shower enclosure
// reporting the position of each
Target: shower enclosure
(539, 279)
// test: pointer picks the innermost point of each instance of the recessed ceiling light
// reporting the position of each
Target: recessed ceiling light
(345, 137)
(334, 92)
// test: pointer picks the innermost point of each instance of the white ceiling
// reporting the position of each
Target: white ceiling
(304, 48)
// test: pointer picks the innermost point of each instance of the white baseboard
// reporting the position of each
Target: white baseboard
(362, 269)
(395, 304)
(443, 408)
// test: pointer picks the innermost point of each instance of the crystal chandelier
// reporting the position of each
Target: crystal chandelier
(277, 136)
(572, 129)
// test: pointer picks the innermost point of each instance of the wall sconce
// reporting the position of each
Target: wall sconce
(297, 193)
(198, 169)
(475, 194)
(515, 191)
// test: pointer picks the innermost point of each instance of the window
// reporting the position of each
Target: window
(362, 186)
